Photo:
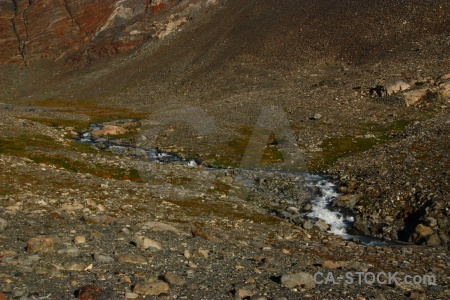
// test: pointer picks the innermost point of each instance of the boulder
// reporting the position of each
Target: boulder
(397, 87)
(109, 130)
(300, 280)
(151, 288)
(414, 96)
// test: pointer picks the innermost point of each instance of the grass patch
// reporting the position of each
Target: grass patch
(334, 149)
(39, 148)
(89, 107)
(232, 152)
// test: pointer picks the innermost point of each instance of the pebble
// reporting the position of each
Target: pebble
(151, 288)
(79, 239)
(103, 258)
(187, 254)
(40, 243)
(145, 243)
(3, 224)
(158, 226)
(328, 264)
(133, 259)
(130, 295)
(203, 252)
(301, 279)
(243, 293)
(174, 279)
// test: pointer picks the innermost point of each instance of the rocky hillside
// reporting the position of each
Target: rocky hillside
(80, 30)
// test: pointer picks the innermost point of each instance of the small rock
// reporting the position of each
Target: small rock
(355, 266)
(203, 252)
(109, 130)
(302, 279)
(380, 297)
(187, 254)
(145, 243)
(72, 266)
(434, 240)
(243, 293)
(151, 288)
(40, 243)
(130, 295)
(317, 116)
(292, 210)
(329, 264)
(412, 97)
(72, 207)
(89, 292)
(174, 279)
(398, 86)
(79, 239)
(133, 259)
(158, 226)
(102, 258)
(3, 224)
(308, 225)
(322, 225)
(3, 296)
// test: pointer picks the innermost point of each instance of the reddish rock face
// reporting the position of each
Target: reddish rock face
(75, 30)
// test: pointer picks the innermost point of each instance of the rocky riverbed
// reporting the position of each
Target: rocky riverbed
(173, 229)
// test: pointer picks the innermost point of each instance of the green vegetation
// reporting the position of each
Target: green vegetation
(336, 148)
(45, 150)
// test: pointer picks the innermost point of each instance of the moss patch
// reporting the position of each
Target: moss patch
(334, 149)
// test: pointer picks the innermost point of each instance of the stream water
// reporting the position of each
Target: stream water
(338, 220)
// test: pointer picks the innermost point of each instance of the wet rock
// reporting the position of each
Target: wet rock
(301, 280)
(292, 210)
(348, 201)
(151, 288)
(109, 130)
(322, 225)
(174, 279)
(308, 225)
(40, 243)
